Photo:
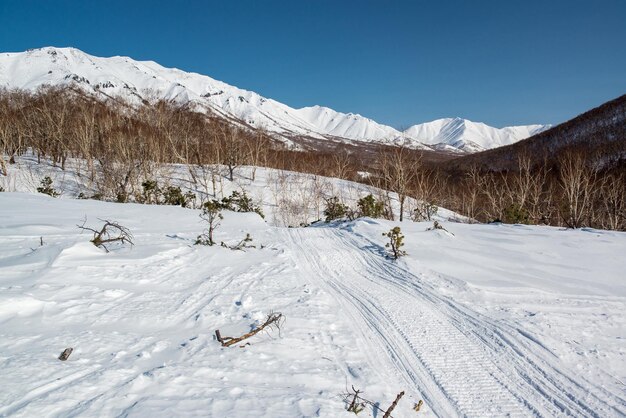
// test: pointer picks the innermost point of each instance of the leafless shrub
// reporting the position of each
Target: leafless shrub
(110, 232)
(242, 245)
(438, 226)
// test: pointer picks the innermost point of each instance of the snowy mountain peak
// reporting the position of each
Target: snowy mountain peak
(470, 136)
(140, 81)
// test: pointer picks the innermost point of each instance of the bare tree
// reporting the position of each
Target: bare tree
(612, 195)
(472, 184)
(234, 150)
(398, 168)
(577, 186)
(257, 150)
(341, 164)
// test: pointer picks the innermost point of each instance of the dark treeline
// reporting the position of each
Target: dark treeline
(123, 145)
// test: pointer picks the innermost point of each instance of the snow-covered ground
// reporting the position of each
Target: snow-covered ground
(494, 320)
(287, 198)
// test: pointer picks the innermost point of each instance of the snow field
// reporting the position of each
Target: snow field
(141, 319)
(495, 320)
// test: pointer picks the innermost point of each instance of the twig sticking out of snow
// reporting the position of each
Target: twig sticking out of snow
(244, 243)
(437, 225)
(357, 404)
(273, 320)
(418, 406)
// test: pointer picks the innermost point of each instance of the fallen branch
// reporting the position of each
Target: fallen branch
(110, 232)
(242, 244)
(393, 405)
(273, 320)
(437, 225)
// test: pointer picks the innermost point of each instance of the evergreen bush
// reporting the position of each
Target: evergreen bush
(395, 242)
(370, 207)
(335, 209)
(516, 214)
(46, 187)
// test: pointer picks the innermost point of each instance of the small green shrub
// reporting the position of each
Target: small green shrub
(211, 213)
(515, 214)
(151, 192)
(171, 195)
(46, 187)
(369, 206)
(95, 196)
(121, 197)
(395, 242)
(174, 196)
(335, 209)
(241, 202)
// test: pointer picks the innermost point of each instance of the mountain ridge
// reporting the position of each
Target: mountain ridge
(140, 81)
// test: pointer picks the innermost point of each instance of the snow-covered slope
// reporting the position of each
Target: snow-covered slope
(135, 81)
(484, 320)
(495, 320)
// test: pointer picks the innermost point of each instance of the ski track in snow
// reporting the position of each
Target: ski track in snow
(142, 320)
(462, 363)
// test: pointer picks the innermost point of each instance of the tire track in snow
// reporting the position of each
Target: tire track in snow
(461, 362)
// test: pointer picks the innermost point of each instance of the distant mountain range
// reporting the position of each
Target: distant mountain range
(146, 81)
(599, 134)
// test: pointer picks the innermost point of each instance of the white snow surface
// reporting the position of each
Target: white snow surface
(134, 81)
(487, 320)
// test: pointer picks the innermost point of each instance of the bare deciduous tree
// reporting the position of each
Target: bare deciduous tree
(577, 186)
(398, 167)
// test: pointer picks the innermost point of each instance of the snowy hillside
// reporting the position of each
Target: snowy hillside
(135, 81)
(483, 320)
(494, 320)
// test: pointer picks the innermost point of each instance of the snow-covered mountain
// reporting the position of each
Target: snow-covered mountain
(469, 136)
(138, 81)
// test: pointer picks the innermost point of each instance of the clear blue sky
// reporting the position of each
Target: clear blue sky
(398, 62)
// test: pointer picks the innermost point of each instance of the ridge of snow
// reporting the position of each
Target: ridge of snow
(135, 81)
